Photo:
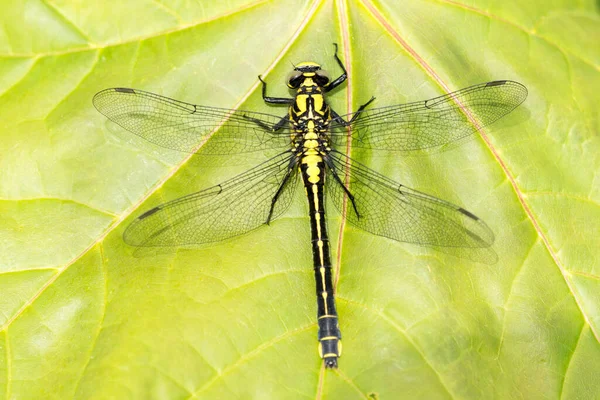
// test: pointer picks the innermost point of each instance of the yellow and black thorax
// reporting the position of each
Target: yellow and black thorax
(309, 114)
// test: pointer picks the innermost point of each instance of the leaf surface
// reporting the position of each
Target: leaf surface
(83, 315)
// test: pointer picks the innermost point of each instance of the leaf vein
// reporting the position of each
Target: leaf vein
(100, 322)
(406, 335)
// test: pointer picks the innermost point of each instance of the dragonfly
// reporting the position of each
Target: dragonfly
(305, 145)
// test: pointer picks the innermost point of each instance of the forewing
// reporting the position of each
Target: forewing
(183, 126)
(434, 122)
(390, 209)
(232, 208)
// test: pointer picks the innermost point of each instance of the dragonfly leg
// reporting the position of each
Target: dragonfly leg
(339, 181)
(284, 120)
(288, 174)
(340, 79)
(273, 100)
(336, 117)
(280, 124)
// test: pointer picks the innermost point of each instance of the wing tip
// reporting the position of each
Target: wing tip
(484, 236)
(523, 89)
(468, 214)
(113, 90)
(148, 213)
(129, 235)
(123, 90)
(96, 100)
(496, 83)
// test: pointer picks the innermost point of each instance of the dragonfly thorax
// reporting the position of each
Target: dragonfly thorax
(310, 116)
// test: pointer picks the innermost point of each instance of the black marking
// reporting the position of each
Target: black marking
(495, 83)
(124, 90)
(468, 214)
(328, 328)
(149, 213)
(308, 68)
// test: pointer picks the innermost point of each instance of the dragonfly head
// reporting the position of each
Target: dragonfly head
(307, 74)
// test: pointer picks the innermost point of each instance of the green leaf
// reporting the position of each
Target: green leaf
(83, 315)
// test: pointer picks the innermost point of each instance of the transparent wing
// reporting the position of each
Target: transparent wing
(183, 126)
(232, 208)
(390, 209)
(434, 122)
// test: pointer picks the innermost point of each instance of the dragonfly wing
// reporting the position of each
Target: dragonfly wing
(390, 209)
(232, 208)
(434, 122)
(185, 127)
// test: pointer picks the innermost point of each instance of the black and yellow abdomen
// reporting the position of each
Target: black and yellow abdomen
(330, 346)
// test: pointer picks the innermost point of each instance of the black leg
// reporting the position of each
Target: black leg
(291, 169)
(273, 128)
(335, 116)
(339, 181)
(284, 120)
(340, 79)
(273, 100)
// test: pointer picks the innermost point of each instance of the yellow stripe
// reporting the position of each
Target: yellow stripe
(301, 103)
(307, 64)
(318, 98)
(315, 190)
(324, 294)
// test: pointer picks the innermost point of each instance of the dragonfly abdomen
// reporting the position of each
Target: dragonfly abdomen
(313, 175)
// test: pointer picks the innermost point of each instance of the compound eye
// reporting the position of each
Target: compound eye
(294, 79)
(321, 77)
